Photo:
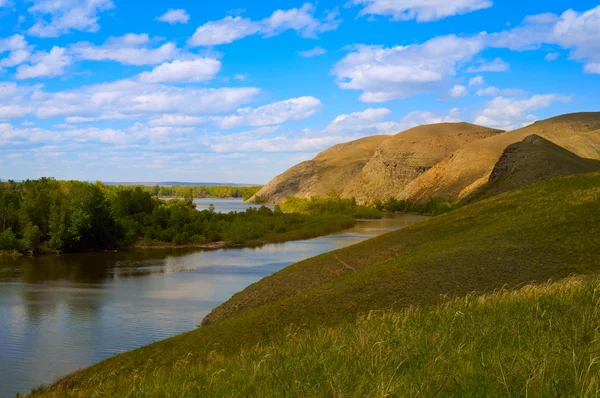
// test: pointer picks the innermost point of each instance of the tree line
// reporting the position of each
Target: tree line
(65, 216)
(199, 191)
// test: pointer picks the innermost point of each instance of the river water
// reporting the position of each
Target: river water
(61, 313)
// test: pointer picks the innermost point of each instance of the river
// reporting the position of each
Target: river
(61, 313)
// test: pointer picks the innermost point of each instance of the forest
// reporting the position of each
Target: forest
(47, 215)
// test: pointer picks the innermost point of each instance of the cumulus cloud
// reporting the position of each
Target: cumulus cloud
(492, 91)
(130, 49)
(197, 70)
(18, 48)
(572, 30)
(497, 65)
(175, 16)
(57, 17)
(476, 81)
(178, 120)
(368, 122)
(272, 114)
(420, 10)
(130, 99)
(275, 113)
(314, 52)
(509, 113)
(45, 64)
(401, 71)
(458, 91)
(253, 141)
(230, 29)
(8, 112)
(551, 57)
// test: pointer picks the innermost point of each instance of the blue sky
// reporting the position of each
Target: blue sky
(239, 91)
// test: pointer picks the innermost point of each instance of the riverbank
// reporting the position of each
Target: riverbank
(100, 304)
(545, 231)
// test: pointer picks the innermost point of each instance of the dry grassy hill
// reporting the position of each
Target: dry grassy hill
(448, 160)
(407, 155)
(531, 160)
(469, 168)
(327, 172)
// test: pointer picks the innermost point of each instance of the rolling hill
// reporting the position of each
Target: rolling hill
(546, 230)
(448, 160)
(533, 159)
(407, 155)
(469, 168)
(326, 173)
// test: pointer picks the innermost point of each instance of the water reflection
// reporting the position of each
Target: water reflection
(60, 313)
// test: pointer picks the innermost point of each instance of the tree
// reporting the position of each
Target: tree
(32, 238)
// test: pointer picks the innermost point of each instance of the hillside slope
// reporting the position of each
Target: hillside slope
(533, 159)
(546, 230)
(326, 173)
(469, 168)
(409, 154)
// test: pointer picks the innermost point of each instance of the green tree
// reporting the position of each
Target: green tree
(32, 238)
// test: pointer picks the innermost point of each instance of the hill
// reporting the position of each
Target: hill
(327, 172)
(533, 159)
(469, 168)
(546, 230)
(407, 155)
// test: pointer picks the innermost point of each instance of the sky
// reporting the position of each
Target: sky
(238, 91)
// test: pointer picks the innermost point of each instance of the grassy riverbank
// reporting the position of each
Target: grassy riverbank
(301, 332)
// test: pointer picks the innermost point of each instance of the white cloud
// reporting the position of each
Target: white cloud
(45, 64)
(275, 113)
(57, 17)
(592, 67)
(13, 112)
(178, 120)
(227, 30)
(492, 91)
(369, 122)
(420, 10)
(256, 142)
(240, 77)
(175, 16)
(551, 57)
(198, 70)
(577, 32)
(458, 91)
(313, 52)
(419, 118)
(18, 48)
(476, 81)
(401, 71)
(365, 122)
(129, 99)
(510, 113)
(230, 29)
(130, 49)
(497, 65)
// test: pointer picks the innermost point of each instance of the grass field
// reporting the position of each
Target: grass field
(296, 333)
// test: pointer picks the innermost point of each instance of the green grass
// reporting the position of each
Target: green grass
(305, 316)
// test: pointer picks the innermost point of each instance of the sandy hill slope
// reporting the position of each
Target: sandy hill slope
(469, 168)
(327, 172)
(409, 154)
(533, 159)
(546, 230)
